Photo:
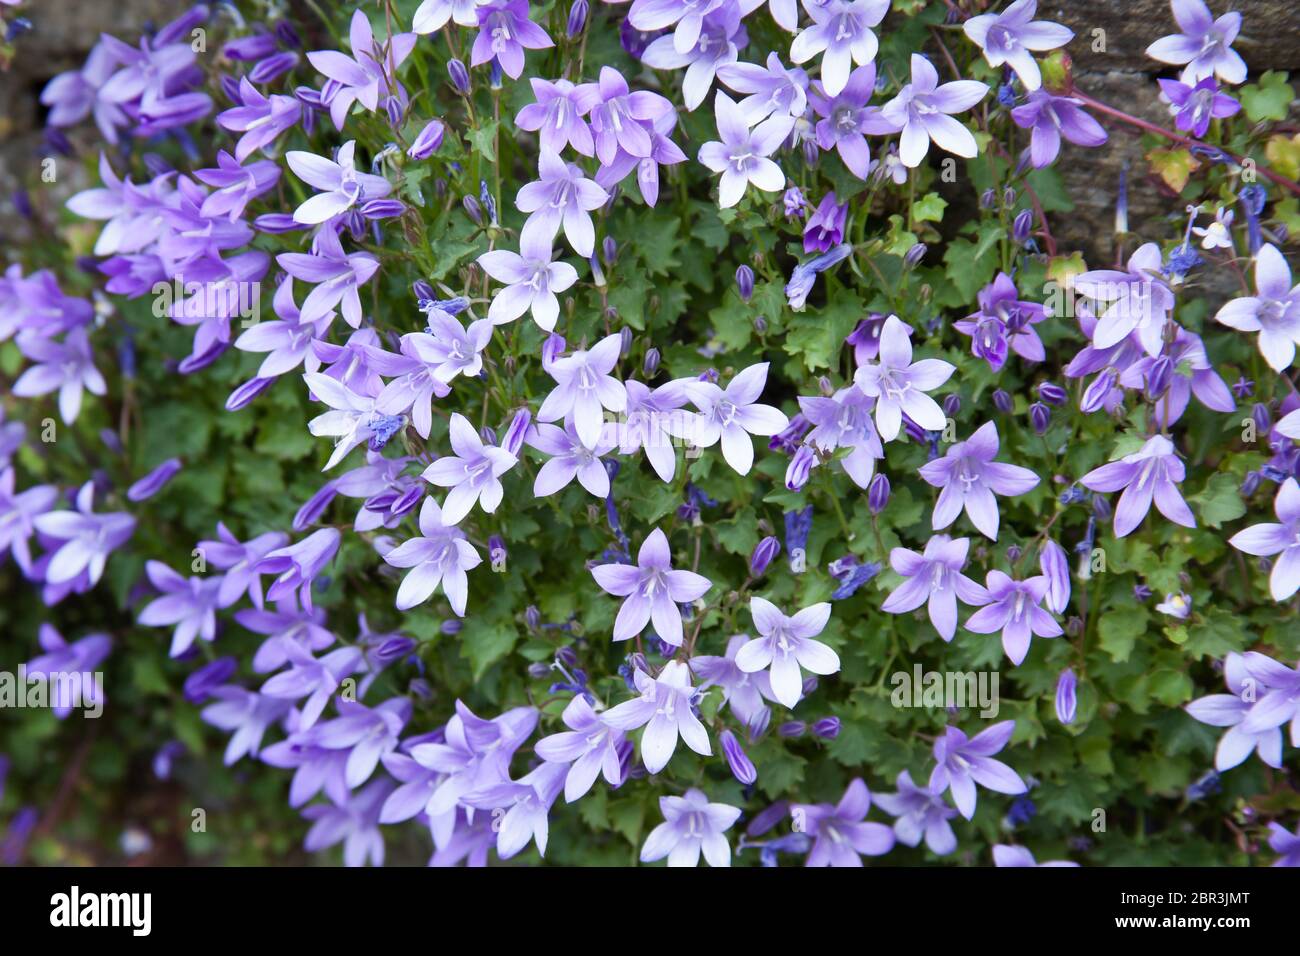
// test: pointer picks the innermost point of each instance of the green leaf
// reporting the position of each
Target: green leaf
(1269, 99)
(1220, 501)
(1119, 633)
(484, 140)
(929, 208)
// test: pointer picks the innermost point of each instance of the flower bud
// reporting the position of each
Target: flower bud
(745, 282)
(915, 254)
(1055, 565)
(428, 141)
(609, 250)
(828, 728)
(1052, 394)
(742, 768)
(514, 439)
(1067, 703)
(878, 494)
(1040, 416)
(473, 210)
(792, 729)
(951, 405)
(651, 363)
(801, 466)
(1002, 402)
(765, 553)
(459, 75)
(1022, 226)
(422, 291)
(1158, 377)
(1263, 419)
(577, 19)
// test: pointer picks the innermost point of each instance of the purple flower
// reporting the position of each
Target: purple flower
(646, 422)
(1286, 843)
(935, 579)
(899, 385)
(247, 714)
(922, 111)
(261, 119)
(825, 228)
(731, 415)
(504, 30)
(1282, 539)
(526, 804)
(786, 644)
(774, 89)
(342, 187)
(354, 823)
(1189, 373)
(298, 565)
(73, 95)
(556, 117)
(1052, 117)
(1231, 710)
(18, 513)
(236, 186)
(846, 119)
(1066, 700)
(1003, 320)
(691, 825)
(1014, 610)
(1273, 312)
(840, 833)
(428, 140)
(336, 276)
(1205, 44)
(1055, 566)
(652, 590)
(350, 421)
(570, 459)
(1152, 472)
(664, 709)
(365, 76)
(189, 603)
(844, 421)
(314, 678)
(364, 733)
(441, 556)
(531, 280)
(83, 540)
(1176, 605)
(66, 366)
(562, 196)
(239, 561)
(969, 478)
(743, 692)
(584, 386)
(61, 660)
(621, 119)
(473, 473)
(432, 15)
(719, 36)
(963, 762)
(1194, 106)
(741, 154)
(590, 748)
(1009, 36)
(663, 152)
(288, 339)
(152, 483)
(921, 814)
(1005, 855)
(1136, 299)
(841, 33)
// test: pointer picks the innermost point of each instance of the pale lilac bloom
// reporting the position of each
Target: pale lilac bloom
(652, 590)
(969, 479)
(774, 89)
(899, 385)
(67, 367)
(133, 215)
(364, 733)
(388, 493)
(235, 185)
(841, 835)
(562, 196)
(314, 678)
(844, 421)
(473, 472)
(416, 783)
(584, 386)
(298, 565)
(1282, 539)
(365, 76)
(841, 33)
(341, 186)
(287, 624)
(441, 555)
(741, 154)
(83, 539)
(590, 748)
(1009, 36)
(1004, 855)
(1205, 45)
(691, 825)
(288, 339)
(526, 804)
(1192, 375)
(663, 152)
(1229, 710)
(350, 420)
(646, 420)
(785, 645)
(238, 560)
(355, 823)
(922, 111)
(246, 713)
(18, 513)
(934, 579)
(415, 382)
(504, 31)
(336, 276)
(621, 119)
(846, 119)
(62, 659)
(962, 762)
(1135, 299)
(1273, 312)
(1281, 701)
(556, 117)
(432, 15)
(1218, 234)
(570, 458)
(1176, 605)
(718, 41)
(188, 603)
(450, 347)
(1286, 843)
(71, 96)
(531, 280)
(731, 415)
(261, 119)
(921, 814)
(664, 709)
(1194, 106)
(1052, 118)
(1014, 608)
(1153, 472)
(1004, 321)
(744, 693)
(651, 16)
